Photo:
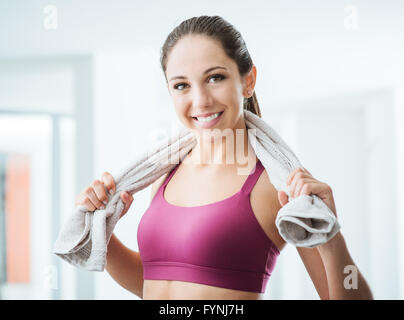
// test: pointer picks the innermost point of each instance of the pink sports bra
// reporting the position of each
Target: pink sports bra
(219, 244)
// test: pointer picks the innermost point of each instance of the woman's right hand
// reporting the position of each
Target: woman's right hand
(95, 196)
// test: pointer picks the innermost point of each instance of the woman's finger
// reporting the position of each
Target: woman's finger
(296, 178)
(83, 200)
(124, 196)
(283, 198)
(100, 191)
(317, 188)
(127, 199)
(290, 177)
(323, 191)
(90, 193)
(293, 174)
(300, 184)
(307, 171)
(109, 182)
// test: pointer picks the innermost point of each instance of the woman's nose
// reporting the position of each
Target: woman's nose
(201, 97)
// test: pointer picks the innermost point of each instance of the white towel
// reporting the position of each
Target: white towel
(305, 221)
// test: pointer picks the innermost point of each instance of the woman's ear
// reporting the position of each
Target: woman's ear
(249, 81)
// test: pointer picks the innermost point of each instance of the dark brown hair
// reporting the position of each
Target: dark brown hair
(221, 30)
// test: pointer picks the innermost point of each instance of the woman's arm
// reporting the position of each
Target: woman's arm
(331, 261)
(349, 285)
(125, 266)
(315, 268)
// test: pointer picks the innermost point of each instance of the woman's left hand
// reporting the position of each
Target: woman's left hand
(300, 181)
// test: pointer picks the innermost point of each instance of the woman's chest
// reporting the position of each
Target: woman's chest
(209, 221)
(257, 208)
(200, 189)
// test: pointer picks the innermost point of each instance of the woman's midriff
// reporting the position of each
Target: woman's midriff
(181, 290)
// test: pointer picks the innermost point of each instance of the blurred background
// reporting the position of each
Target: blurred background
(82, 92)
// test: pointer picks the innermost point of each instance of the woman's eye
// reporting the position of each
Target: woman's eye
(217, 76)
(177, 85)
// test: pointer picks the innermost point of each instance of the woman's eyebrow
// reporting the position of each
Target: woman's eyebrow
(206, 71)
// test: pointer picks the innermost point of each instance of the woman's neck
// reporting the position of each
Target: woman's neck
(221, 147)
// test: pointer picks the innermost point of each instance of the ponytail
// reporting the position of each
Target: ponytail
(251, 104)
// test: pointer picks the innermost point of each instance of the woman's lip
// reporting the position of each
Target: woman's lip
(206, 114)
(210, 123)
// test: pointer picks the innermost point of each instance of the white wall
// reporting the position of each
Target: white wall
(302, 48)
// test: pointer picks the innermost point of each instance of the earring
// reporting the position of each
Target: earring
(249, 92)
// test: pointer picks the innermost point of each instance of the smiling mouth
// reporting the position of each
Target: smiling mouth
(210, 118)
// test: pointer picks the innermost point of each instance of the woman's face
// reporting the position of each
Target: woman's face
(203, 80)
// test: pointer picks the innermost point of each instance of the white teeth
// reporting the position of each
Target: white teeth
(206, 119)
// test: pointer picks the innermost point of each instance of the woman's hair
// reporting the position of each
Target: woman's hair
(221, 30)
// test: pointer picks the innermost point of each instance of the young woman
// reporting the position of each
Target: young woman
(209, 232)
